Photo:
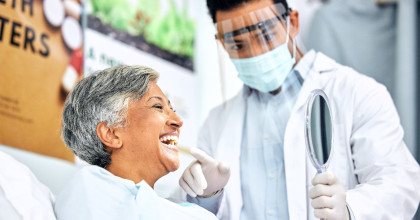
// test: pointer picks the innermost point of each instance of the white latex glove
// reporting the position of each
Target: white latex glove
(205, 176)
(328, 197)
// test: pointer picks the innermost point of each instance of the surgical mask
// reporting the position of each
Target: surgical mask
(268, 71)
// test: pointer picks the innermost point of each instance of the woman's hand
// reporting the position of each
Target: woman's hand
(205, 176)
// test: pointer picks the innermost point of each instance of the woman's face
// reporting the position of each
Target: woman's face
(151, 132)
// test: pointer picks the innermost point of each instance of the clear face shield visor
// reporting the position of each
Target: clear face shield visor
(255, 33)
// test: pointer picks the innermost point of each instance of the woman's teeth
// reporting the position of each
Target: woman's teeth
(169, 140)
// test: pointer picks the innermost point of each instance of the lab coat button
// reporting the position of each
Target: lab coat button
(271, 212)
(272, 174)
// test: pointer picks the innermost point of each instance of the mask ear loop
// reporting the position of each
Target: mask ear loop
(287, 37)
(287, 29)
(222, 70)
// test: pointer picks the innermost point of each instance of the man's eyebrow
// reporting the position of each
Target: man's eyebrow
(251, 28)
(233, 41)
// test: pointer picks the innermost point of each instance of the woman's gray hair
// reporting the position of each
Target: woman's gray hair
(102, 97)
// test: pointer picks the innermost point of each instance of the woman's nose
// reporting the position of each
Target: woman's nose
(175, 121)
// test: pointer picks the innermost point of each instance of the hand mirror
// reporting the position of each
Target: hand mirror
(318, 130)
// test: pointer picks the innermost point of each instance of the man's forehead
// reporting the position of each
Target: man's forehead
(247, 21)
(242, 9)
(248, 17)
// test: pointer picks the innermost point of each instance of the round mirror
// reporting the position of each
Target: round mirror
(318, 130)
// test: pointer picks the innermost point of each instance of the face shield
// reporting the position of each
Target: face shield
(255, 33)
(257, 44)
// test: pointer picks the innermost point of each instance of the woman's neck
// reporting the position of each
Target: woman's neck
(136, 173)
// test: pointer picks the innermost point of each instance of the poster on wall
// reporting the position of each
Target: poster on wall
(41, 59)
(157, 34)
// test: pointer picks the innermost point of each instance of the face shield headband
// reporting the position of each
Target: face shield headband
(254, 33)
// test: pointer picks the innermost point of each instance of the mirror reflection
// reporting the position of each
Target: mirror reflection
(319, 129)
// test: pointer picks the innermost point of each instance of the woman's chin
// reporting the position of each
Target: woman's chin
(174, 166)
(170, 156)
(171, 164)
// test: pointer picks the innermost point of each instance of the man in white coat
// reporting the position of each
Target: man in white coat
(260, 132)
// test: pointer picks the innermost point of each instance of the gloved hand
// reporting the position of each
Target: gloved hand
(328, 197)
(205, 176)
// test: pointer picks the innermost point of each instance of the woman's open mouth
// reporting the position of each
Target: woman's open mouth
(170, 141)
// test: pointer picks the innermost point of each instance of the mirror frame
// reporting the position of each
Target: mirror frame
(308, 133)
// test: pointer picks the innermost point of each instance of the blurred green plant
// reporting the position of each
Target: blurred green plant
(172, 31)
(118, 14)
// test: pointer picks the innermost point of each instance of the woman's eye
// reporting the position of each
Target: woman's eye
(160, 107)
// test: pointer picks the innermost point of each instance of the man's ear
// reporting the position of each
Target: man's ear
(294, 24)
(107, 136)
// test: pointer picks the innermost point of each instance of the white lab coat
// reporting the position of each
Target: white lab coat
(369, 157)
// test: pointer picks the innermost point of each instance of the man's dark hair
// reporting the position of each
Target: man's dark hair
(225, 5)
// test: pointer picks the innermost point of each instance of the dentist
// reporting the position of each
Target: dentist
(260, 131)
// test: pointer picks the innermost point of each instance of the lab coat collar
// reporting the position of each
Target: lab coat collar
(310, 67)
(305, 63)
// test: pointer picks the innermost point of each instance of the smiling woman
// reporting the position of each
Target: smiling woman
(120, 122)
(145, 140)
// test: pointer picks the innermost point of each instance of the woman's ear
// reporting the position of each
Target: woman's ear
(294, 24)
(107, 136)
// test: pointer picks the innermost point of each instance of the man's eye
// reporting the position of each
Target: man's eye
(269, 37)
(236, 47)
